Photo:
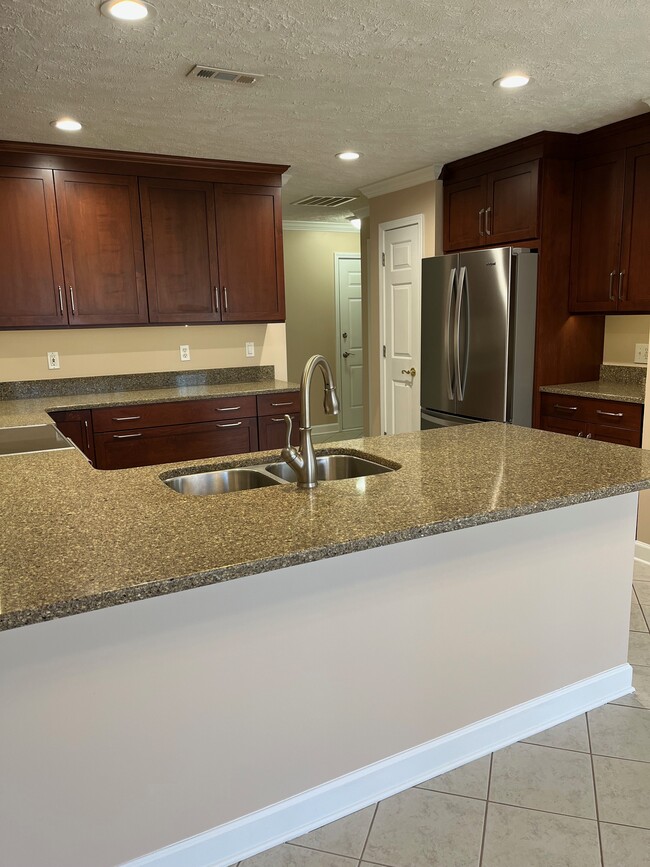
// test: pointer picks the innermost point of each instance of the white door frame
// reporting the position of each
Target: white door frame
(337, 289)
(416, 219)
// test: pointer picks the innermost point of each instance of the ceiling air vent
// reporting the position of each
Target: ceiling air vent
(325, 201)
(229, 76)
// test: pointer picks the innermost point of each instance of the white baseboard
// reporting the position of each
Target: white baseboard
(642, 552)
(245, 837)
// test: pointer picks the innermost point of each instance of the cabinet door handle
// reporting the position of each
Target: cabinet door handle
(567, 408)
(127, 418)
(230, 424)
(611, 285)
(612, 414)
(278, 419)
(225, 299)
(286, 403)
(74, 312)
(216, 299)
(61, 300)
(588, 436)
(488, 221)
(126, 436)
(87, 434)
(227, 408)
(620, 285)
(481, 215)
(581, 434)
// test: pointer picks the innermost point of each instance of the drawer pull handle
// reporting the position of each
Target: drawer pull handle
(227, 408)
(581, 434)
(567, 408)
(588, 436)
(278, 419)
(286, 403)
(230, 424)
(126, 436)
(613, 414)
(128, 418)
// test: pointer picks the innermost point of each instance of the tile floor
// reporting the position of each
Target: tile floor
(577, 795)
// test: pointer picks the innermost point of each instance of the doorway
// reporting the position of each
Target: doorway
(400, 252)
(347, 278)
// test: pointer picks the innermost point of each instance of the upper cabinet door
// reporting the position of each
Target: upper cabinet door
(101, 242)
(249, 239)
(512, 204)
(596, 232)
(31, 276)
(465, 214)
(633, 287)
(180, 250)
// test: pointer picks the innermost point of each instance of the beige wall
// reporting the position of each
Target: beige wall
(311, 302)
(425, 199)
(102, 351)
(621, 333)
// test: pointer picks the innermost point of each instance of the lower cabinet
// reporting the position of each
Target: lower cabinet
(77, 426)
(273, 432)
(161, 445)
(605, 420)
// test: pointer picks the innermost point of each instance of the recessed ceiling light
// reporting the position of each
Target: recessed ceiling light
(127, 10)
(67, 124)
(511, 81)
(348, 155)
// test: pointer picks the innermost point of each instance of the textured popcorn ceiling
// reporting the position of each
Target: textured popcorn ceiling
(406, 82)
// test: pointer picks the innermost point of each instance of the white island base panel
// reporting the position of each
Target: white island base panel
(221, 721)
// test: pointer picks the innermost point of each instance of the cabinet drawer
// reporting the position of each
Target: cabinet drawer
(606, 434)
(592, 410)
(569, 426)
(178, 412)
(278, 404)
(564, 406)
(160, 445)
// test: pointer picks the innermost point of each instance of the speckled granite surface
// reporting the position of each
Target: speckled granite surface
(34, 410)
(76, 539)
(628, 392)
(634, 374)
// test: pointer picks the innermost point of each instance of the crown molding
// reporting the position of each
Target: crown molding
(401, 182)
(316, 226)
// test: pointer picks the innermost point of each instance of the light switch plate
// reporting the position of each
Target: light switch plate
(641, 353)
(53, 360)
(250, 350)
(185, 352)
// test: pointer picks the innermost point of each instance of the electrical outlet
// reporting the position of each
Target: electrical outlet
(185, 352)
(641, 353)
(53, 360)
(250, 350)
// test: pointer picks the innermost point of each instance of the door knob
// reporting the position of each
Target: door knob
(348, 354)
(410, 372)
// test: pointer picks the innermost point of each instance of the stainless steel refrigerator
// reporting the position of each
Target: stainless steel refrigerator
(478, 337)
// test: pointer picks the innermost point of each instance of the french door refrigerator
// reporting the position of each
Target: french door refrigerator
(478, 337)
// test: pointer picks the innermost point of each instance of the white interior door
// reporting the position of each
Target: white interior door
(401, 251)
(348, 278)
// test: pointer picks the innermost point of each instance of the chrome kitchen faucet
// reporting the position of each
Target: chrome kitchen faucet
(302, 460)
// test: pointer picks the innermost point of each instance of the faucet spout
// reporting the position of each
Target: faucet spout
(303, 460)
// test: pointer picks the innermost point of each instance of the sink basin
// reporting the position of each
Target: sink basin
(220, 482)
(329, 468)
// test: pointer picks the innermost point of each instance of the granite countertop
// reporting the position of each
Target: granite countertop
(33, 410)
(627, 392)
(76, 539)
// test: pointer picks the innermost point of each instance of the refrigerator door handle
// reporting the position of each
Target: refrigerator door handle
(450, 292)
(462, 281)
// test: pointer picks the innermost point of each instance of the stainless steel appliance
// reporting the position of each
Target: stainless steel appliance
(478, 337)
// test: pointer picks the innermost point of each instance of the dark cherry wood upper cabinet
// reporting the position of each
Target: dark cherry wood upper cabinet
(512, 204)
(634, 274)
(101, 242)
(596, 232)
(180, 250)
(464, 213)
(249, 241)
(31, 276)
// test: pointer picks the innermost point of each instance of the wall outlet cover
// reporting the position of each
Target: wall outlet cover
(641, 353)
(250, 350)
(185, 352)
(53, 360)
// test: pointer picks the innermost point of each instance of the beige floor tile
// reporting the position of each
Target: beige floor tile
(419, 828)
(641, 571)
(622, 732)
(625, 847)
(526, 775)
(637, 619)
(526, 838)
(470, 780)
(295, 856)
(642, 589)
(639, 649)
(569, 735)
(344, 837)
(623, 791)
(641, 683)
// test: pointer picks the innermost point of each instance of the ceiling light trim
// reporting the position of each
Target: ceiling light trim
(401, 182)
(316, 226)
(107, 6)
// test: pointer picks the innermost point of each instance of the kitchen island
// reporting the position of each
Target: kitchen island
(379, 631)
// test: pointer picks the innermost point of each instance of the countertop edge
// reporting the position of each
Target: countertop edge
(578, 390)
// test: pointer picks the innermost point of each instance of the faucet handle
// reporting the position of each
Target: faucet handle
(289, 423)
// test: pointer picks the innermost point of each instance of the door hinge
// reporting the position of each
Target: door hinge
(383, 259)
(384, 350)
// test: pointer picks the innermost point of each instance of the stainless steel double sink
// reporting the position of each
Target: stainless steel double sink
(329, 468)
